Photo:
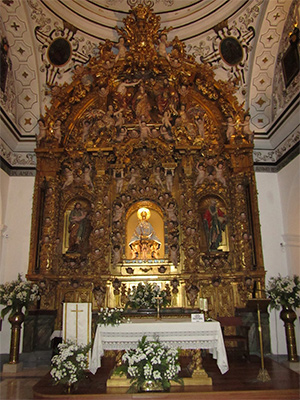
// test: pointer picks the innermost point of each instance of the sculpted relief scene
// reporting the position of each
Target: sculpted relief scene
(145, 174)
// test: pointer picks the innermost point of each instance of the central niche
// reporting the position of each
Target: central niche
(145, 233)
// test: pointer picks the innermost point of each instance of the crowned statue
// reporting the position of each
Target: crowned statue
(144, 243)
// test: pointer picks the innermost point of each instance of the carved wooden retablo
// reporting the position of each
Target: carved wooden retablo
(145, 172)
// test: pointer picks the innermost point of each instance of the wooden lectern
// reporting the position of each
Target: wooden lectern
(259, 305)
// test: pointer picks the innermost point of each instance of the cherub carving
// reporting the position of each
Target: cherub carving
(42, 131)
(201, 174)
(230, 128)
(162, 47)
(121, 49)
(69, 177)
(57, 130)
(246, 128)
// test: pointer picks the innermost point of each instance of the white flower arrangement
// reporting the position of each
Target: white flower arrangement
(150, 361)
(110, 316)
(284, 291)
(17, 294)
(147, 296)
(70, 364)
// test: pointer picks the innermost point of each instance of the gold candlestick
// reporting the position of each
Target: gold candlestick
(257, 304)
(158, 308)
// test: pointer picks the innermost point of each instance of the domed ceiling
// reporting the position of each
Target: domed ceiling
(251, 43)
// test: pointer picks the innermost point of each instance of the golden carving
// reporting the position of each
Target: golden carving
(146, 127)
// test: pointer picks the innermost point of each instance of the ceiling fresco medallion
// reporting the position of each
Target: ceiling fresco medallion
(60, 50)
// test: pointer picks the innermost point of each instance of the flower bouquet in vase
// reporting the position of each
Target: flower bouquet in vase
(151, 366)
(70, 364)
(147, 296)
(284, 293)
(110, 316)
(16, 296)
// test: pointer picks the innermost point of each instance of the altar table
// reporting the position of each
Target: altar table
(179, 334)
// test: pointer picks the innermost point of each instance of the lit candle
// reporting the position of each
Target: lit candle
(201, 303)
(205, 305)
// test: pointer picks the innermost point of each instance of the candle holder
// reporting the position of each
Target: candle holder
(158, 307)
(206, 315)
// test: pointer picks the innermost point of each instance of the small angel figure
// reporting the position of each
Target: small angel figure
(42, 131)
(200, 125)
(87, 176)
(166, 119)
(182, 118)
(69, 177)
(246, 128)
(134, 175)
(162, 47)
(122, 49)
(171, 212)
(119, 177)
(230, 128)
(201, 174)
(165, 134)
(173, 255)
(122, 134)
(57, 130)
(118, 212)
(169, 173)
(144, 130)
(116, 255)
(157, 178)
(85, 130)
(120, 120)
(103, 93)
(219, 174)
(122, 88)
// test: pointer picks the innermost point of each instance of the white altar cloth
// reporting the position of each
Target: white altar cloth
(184, 335)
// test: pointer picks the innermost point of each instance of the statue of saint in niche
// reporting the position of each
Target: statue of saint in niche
(214, 223)
(144, 243)
(79, 229)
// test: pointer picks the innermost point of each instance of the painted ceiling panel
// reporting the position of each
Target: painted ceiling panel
(260, 28)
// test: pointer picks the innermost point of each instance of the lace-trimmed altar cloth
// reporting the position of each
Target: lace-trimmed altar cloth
(185, 335)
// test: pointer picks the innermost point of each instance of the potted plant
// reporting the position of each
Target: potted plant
(70, 364)
(284, 293)
(151, 366)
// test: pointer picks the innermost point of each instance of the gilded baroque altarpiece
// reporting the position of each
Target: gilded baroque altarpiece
(145, 173)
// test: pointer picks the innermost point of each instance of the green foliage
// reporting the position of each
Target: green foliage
(150, 361)
(284, 291)
(70, 364)
(147, 296)
(110, 316)
(17, 294)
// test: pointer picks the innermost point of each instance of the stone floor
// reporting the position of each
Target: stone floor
(18, 386)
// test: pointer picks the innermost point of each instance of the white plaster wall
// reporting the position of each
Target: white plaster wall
(276, 193)
(16, 194)
(4, 185)
(289, 186)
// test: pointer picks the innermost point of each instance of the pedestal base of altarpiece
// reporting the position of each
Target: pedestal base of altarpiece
(200, 378)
